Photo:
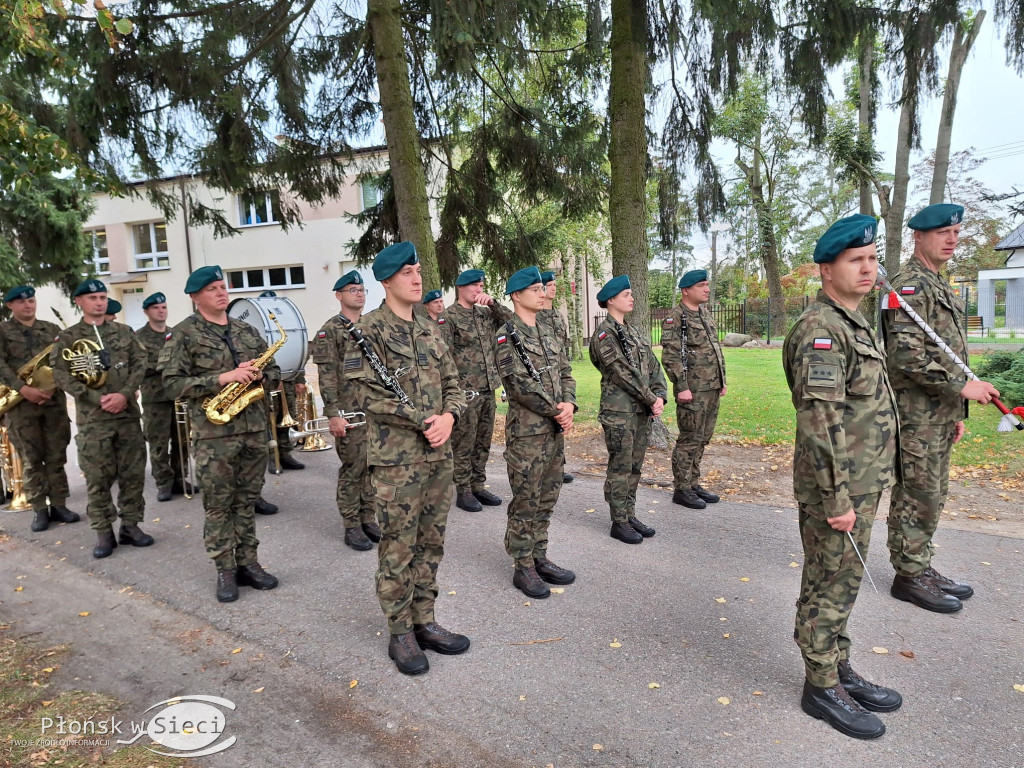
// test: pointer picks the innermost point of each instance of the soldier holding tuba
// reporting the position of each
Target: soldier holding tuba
(37, 412)
(101, 365)
(218, 365)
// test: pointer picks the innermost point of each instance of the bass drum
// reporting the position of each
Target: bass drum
(256, 312)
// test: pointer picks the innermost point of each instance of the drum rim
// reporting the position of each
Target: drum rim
(270, 331)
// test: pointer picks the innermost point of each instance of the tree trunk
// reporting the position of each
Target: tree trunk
(865, 109)
(963, 38)
(627, 151)
(714, 265)
(407, 171)
(767, 243)
(901, 181)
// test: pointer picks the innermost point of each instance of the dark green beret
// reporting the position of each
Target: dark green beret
(156, 298)
(613, 287)
(430, 296)
(349, 278)
(202, 277)
(20, 292)
(524, 278)
(547, 277)
(268, 295)
(470, 276)
(113, 307)
(693, 277)
(90, 286)
(851, 232)
(935, 216)
(393, 258)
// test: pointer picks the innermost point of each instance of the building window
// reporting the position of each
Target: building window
(97, 239)
(371, 192)
(151, 245)
(259, 208)
(265, 279)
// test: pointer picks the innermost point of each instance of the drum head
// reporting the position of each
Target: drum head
(256, 312)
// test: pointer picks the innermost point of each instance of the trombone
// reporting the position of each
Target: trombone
(183, 423)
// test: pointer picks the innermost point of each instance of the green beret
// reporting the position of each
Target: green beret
(430, 296)
(693, 277)
(113, 307)
(470, 276)
(524, 278)
(393, 258)
(852, 232)
(89, 286)
(349, 278)
(156, 298)
(201, 278)
(547, 277)
(935, 216)
(20, 292)
(613, 287)
(268, 295)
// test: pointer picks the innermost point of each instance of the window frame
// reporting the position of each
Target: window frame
(267, 285)
(95, 259)
(154, 255)
(271, 199)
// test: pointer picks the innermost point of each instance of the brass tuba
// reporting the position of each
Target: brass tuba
(35, 373)
(13, 473)
(235, 397)
(89, 360)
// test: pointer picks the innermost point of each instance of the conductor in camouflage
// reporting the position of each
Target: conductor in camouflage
(633, 391)
(846, 441)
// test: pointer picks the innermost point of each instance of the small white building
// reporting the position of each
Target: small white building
(1013, 274)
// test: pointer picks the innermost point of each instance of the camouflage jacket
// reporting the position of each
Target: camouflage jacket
(330, 347)
(847, 429)
(532, 404)
(153, 382)
(553, 319)
(415, 353)
(630, 383)
(927, 383)
(690, 350)
(127, 366)
(19, 344)
(470, 333)
(195, 356)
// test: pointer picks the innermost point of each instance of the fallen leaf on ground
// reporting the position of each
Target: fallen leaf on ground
(522, 698)
(47, 669)
(908, 654)
(758, 693)
(19, 588)
(589, 511)
(652, 686)
(723, 700)
(719, 599)
(538, 642)
(84, 613)
(452, 592)
(744, 579)
(879, 649)
(794, 565)
(615, 643)
(726, 635)
(1019, 688)
(985, 563)
(237, 650)
(598, 747)
(353, 684)
(262, 688)
(557, 590)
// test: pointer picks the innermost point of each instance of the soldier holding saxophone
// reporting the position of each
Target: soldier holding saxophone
(37, 413)
(218, 365)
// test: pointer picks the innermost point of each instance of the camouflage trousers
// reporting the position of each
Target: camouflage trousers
(696, 420)
(109, 451)
(535, 465)
(625, 437)
(354, 496)
(829, 586)
(471, 442)
(918, 500)
(161, 431)
(230, 471)
(41, 434)
(412, 502)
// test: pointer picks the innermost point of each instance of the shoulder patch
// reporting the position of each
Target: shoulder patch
(440, 321)
(819, 375)
(602, 335)
(908, 290)
(167, 336)
(668, 321)
(823, 343)
(502, 339)
(321, 335)
(57, 337)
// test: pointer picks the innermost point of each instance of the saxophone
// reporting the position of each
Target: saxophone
(35, 373)
(235, 397)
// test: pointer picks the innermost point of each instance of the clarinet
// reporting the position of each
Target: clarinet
(524, 357)
(627, 350)
(385, 378)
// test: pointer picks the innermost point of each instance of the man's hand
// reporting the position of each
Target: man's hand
(685, 396)
(113, 402)
(843, 522)
(34, 395)
(722, 393)
(439, 429)
(658, 408)
(485, 300)
(958, 431)
(338, 426)
(243, 374)
(979, 391)
(564, 417)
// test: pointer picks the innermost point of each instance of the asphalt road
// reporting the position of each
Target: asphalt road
(630, 666)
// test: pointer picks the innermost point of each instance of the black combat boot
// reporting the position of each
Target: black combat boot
(179, 488)
(264, 507)
(130, 533)
(164, 493)
(837, 708)
(624, 532)
(407, 655)
(551, 573)
(955, 588)
(644, 530)
(254, 576)
(920, 591)
(467, 501)
(487, 498)
(434, 637)
(227, 586)
(105, 544)
(288, 462)
(40, 520)
(357, 539)
(61, 514)
(372, 531)
(708, 496)
(567, 478)
(868, 695)
(688, 498)
(527, 581)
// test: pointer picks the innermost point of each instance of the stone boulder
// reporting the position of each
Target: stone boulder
(736, 339)
(755, 344)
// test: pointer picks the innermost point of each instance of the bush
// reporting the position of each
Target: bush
(1005, 370)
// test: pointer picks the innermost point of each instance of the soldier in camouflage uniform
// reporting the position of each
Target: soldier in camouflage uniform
(539, 413)
(846, 441)
(409, 455)
(556, 328)
(114, 307)
(291, 390)
(433, 302)
(110, 443)
(158, 420)
(470, 324)
(38, 426)
(932, 394)
(340, 395)
(633, 391)
(693, 360)
(207, 352)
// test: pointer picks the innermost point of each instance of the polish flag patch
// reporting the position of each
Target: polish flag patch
(322, 335)
(441, 321)
(167, 336)
(669, 320)
(602, 334)
(502, 339)
(908, 290)
(823, 343)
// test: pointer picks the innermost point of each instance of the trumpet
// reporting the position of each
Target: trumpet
(89, 360)
(322, 424)
(35, 373)
(183, 423)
